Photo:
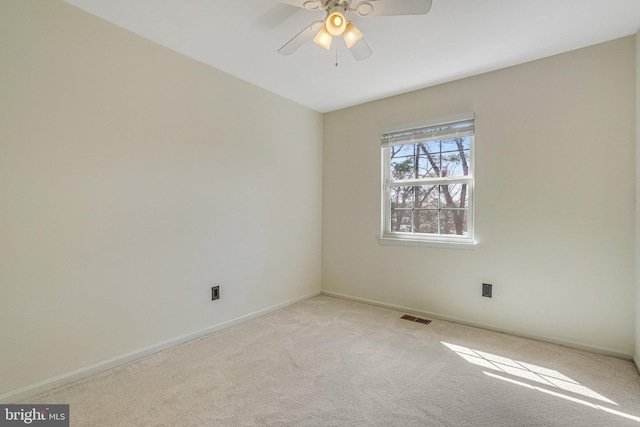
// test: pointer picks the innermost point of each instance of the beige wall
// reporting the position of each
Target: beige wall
(554, 202)
(637, 253)
(131, 180)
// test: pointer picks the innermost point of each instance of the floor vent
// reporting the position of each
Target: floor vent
(416, 319)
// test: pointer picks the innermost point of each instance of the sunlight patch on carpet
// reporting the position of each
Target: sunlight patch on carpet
(527, 371)
(565, 397)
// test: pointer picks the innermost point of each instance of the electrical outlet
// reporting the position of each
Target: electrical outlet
(487, 290)
(215, 293)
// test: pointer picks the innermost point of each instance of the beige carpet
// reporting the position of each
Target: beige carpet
(330, 362)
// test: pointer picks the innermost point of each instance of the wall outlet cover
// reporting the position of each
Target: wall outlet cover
(487, 290)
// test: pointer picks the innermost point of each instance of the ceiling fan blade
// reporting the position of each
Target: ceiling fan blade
(361, 50)
(394, 7)
(301, 38)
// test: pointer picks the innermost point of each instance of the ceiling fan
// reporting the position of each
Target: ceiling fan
(336, 23)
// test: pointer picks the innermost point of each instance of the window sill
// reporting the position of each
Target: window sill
(440, 244)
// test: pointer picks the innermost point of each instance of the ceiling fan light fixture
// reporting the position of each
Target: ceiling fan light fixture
(323, 38)
(336, 23)
(351, 35)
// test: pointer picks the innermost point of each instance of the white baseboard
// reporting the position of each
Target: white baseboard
(59, 380)
(636, 363)
(553, 340)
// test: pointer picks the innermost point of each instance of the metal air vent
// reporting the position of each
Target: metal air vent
(416, 319)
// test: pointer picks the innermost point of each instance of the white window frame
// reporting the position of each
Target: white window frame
(389, 237)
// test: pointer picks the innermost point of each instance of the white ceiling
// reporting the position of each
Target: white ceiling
(458, 38)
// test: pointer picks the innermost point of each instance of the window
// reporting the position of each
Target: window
(427, 182)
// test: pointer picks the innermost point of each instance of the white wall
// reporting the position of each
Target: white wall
(131, 180)
(554, 202)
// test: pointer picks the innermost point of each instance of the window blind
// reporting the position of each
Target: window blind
(445, 130)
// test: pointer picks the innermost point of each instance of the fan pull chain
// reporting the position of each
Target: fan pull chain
(336, 56)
